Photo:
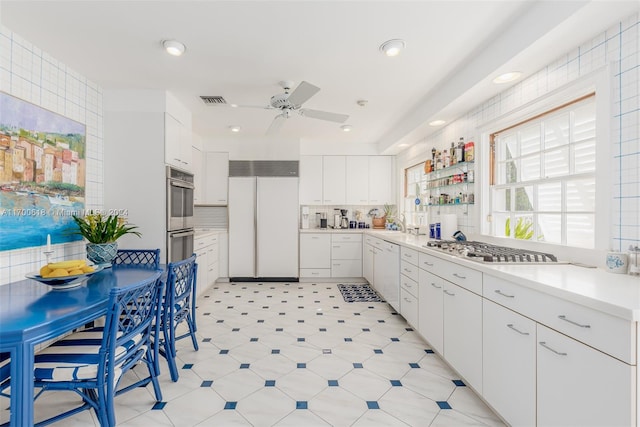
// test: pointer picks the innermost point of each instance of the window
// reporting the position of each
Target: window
(543, 177)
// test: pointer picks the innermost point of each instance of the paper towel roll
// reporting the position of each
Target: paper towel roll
(449, 226)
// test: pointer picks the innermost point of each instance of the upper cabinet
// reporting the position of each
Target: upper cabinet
(216, 178)
(333, 180)
(357, 183)
(346, 180)
(381, 179)
(177, 143)
(310, 183)
(197, 163)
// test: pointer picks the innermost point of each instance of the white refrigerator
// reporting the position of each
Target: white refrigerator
(263, 227)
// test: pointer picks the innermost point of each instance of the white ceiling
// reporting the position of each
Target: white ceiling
(242, 49)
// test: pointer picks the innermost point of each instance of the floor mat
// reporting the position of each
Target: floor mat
(360, 292)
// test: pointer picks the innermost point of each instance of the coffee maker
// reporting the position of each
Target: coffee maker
(344, 222)
(305, 217)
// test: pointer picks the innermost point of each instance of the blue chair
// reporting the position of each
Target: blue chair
(5, 372)
(137, 258)
(179, 306)
(91, 362)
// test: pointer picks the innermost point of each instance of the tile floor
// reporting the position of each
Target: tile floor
(296, 354)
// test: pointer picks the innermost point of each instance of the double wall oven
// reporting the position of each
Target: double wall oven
(180, 233)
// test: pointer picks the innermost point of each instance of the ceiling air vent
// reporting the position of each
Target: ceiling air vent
(213, 100)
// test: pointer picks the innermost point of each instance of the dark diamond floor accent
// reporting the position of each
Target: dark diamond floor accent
(361, 292)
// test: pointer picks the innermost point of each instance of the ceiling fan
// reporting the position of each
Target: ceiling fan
(292, 102)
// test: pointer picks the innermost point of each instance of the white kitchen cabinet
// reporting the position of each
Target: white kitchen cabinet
(509, 364)
(368, 254)
(177, 143)
(207, 252)
(386, 272)
(381, 180)
(216, 178)
(346, 255)
(357, 180)
(431, 310)
(315, 255)
(580, 386)
(197, 163)
(463, 332)
(223, 254)
(310, 184)
(333, 180)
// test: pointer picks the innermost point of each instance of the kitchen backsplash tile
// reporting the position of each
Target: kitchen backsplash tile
(33, 75)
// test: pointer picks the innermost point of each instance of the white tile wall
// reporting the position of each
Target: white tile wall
(31, 74)
(619, 47)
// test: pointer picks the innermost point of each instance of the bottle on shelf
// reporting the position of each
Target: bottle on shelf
(460, 151)
(452, 154)
(469, 151)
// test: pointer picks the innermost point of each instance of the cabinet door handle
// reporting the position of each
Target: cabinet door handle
(407, 300)
(449, 293)
(336, 247)
(544, 344)
(510, 326)
(563, 317)
(408, 285)
(337, 265)
(499, 292)
(428, 264)
(458, 276)
(436, 286)
(314, 238)
(407, 270)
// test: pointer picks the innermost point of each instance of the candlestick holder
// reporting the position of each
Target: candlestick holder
(48, 255)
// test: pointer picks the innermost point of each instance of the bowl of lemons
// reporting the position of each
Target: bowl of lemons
(65, 274)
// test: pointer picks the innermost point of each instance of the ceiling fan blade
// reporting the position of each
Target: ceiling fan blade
(276, 124)
(303, 92)
(324, 115)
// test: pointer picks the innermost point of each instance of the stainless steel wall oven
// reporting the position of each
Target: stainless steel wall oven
(180, 233)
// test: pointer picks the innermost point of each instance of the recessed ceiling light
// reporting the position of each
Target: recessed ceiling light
(403, 145)
(507, 77)
(437, 123)
(346, 128)
(174, 47)
(235, 128)
(392, 47)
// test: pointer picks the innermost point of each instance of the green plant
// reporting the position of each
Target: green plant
(523, 231)
(97, 228)
(389, 212)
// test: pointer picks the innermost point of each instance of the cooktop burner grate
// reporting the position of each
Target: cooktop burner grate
(484, 252)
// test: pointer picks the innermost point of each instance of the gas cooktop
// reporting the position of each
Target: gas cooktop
(485, 252)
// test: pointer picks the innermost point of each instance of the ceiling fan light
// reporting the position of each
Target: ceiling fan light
(174, 47)
(392, 47)
(507, 77)
(235, 128)
(346, 128)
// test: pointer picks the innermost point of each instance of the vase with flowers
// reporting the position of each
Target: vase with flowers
(102, 233)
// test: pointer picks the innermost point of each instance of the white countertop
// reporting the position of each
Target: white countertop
(204, 232)
(615, 294)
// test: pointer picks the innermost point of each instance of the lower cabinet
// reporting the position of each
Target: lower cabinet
(386, 273)
(346, 255)
(463, 332)
(206, 250)
(580, 386)
(368, 254)
(315, 255)
(431, 310)
(509, 363)
(409, 303)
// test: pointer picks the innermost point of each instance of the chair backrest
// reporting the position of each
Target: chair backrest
(181, 282)
(137, 258)
(133, 313)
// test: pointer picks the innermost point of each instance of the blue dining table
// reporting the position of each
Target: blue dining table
(32, 312)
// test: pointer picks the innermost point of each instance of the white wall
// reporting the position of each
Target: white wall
(616, 51)
(267, 148)
(29, 73)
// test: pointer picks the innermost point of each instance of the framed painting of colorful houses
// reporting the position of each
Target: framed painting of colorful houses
(42, 174)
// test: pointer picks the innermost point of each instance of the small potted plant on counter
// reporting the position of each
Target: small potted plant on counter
(389, 214)
(102, 233)
(378, 220)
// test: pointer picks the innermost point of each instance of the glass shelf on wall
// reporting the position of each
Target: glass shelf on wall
(436, 187)
(451, 204)
(458, 166)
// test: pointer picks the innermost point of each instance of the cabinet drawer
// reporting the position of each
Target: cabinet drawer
(315, 272)
(409, 270)
(409, 255)
(344, 237)
(463, 276)
(346, 268)
(346, 250)
(430, 263)
(409, 285)
(610, 334)
(409, 307)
